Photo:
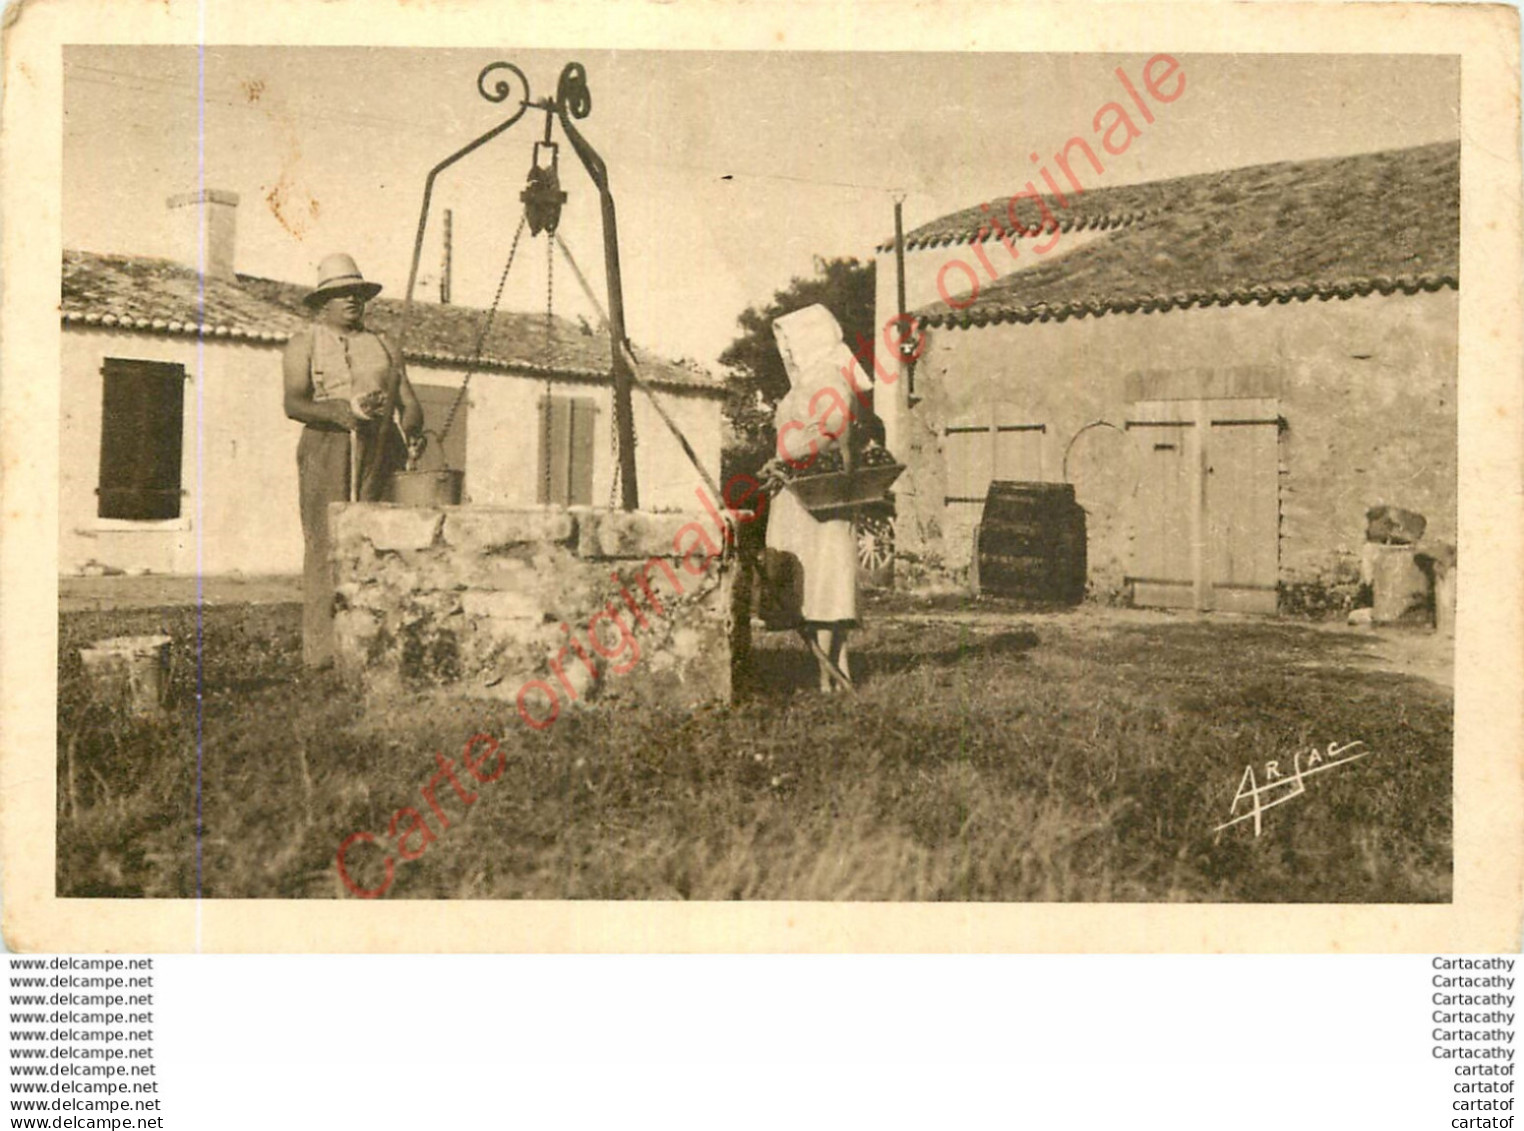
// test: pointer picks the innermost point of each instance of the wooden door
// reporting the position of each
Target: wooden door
(1163, 573)
(1243, 506)
(991, 442)
(1207, 520)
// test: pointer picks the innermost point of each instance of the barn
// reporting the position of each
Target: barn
(1229, 368)
(175, 455)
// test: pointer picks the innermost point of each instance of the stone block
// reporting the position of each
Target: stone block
(634, 534)
(506, 636)
(490, 571)
(429, 606)
(436, 569)
(486, 531)
(567, 585)
(388, 527)
(395, 578)
(502, 605)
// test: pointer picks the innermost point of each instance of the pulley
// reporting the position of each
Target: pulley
(542, 195)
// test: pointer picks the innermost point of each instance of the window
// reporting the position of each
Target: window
(567, 426)
(142, 417)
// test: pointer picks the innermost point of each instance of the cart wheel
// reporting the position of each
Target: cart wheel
(875, 551)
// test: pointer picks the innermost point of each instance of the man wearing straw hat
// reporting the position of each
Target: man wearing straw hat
(344, 383)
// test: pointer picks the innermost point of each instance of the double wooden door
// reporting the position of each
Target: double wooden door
(1206, 531)
(994, 441)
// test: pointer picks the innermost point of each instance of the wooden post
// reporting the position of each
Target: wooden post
(444, 267)
(899, 285)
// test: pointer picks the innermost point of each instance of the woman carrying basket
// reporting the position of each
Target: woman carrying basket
(811, 565)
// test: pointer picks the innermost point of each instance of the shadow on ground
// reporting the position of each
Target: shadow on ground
(782, 666)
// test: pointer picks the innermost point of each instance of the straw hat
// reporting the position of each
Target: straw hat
(338, 274)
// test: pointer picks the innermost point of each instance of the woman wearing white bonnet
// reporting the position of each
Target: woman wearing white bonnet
(812, 565)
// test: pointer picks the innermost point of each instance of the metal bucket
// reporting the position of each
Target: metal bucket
(130, 670)
(439, 488)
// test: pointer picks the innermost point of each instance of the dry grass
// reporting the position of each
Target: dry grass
(1012, 757)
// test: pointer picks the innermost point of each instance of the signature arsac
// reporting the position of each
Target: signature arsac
(1278, 786)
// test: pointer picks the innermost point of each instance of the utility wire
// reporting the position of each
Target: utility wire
(149, 85)
(144, 84)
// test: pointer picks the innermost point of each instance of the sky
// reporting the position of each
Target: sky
(731, 171)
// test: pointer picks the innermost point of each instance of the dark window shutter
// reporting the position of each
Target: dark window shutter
(142, 424)
(566, 451)
(542, 472)
(555, 436)
(584, 414)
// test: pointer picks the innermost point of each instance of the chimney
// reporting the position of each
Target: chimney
(215, 212)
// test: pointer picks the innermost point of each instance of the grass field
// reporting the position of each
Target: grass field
(991, 755)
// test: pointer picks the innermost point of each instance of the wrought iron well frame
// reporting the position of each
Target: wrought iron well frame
(572, 100)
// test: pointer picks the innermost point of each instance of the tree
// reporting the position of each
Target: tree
(755, 380)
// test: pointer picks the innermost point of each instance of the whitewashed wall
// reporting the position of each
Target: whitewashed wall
(239, 512)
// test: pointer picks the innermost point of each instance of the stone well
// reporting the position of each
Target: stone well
(548, 607)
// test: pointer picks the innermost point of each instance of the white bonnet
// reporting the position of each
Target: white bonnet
(809, 341)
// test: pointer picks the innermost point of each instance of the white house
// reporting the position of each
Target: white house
(176, 456)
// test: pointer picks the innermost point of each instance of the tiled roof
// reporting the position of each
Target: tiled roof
(1087, 211)
(1336, 227)
(160, 296)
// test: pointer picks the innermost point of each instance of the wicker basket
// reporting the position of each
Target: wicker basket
(840, 494)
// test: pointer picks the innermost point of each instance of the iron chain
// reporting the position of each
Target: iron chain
(550, 291)
(481, 340)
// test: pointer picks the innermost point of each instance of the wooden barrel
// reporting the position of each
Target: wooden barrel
(1032, 543)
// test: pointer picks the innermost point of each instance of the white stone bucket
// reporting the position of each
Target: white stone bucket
(130, 670)
(1400, 588)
